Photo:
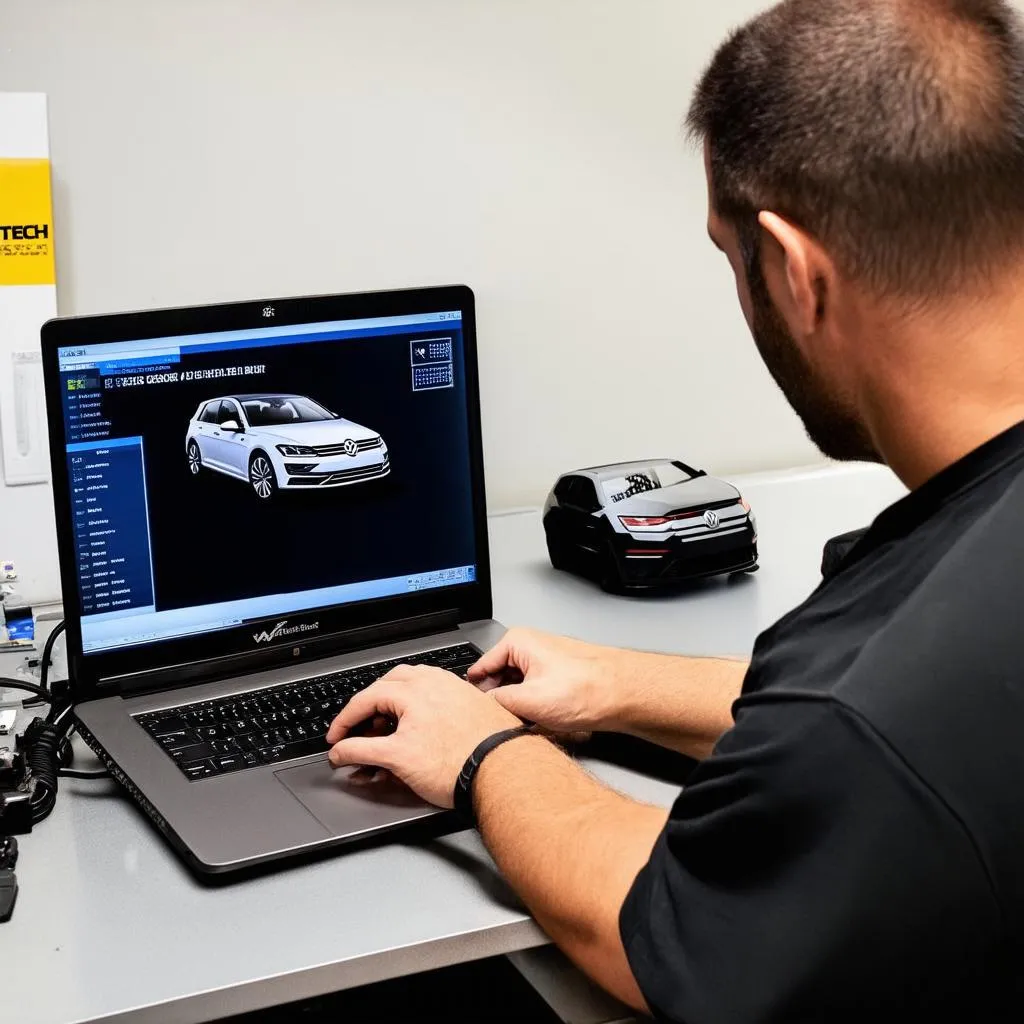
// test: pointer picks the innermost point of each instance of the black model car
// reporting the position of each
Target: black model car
(643, 525)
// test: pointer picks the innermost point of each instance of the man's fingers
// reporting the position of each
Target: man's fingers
(521, 699)
(491, 663)
(362, 750)
(377, 699)
(508, 654)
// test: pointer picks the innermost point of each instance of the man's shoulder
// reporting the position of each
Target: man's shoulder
(924, 643)
(952, 634)
(912, 617)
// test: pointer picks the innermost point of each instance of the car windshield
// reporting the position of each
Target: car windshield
(274, 410)
(646, 478)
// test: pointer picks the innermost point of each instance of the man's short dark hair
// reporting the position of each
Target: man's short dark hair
(891, 130)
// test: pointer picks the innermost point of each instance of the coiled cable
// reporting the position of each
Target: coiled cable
(41, 745)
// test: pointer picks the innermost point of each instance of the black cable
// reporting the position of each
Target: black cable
(16, 684)
(62, 714)
(81, 773)
(46, 744)
(68, 755)
(44, 668)
(41, 745)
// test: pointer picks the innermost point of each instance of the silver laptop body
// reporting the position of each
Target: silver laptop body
(261, 506)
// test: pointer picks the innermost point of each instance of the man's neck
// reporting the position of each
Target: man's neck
(954, 381)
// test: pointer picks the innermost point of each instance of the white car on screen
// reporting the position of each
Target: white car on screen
(282, 443)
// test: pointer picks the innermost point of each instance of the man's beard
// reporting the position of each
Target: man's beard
(830, 423)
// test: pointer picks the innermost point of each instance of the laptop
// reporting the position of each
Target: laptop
(261, 508)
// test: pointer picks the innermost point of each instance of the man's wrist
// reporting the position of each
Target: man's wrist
(682, 703)
(530, 748)
(462, 796)
(634, 679)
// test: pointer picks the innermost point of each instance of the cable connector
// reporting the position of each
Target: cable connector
(12, 768)
(16, 814)
(8, 852)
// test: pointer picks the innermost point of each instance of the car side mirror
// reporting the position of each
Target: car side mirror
(232, 426)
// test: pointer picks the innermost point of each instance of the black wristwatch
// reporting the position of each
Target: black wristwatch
(463, 795)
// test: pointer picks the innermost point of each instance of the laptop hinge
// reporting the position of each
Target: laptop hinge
(212, 669)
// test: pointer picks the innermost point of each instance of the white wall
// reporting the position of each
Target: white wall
(208, 150)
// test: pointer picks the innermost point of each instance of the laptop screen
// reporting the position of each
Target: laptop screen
(218, 479)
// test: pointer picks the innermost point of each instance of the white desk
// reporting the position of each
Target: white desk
(110, 927)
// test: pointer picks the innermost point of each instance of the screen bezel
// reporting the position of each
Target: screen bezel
(468, 602)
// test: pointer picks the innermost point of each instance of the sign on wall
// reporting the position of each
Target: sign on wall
(28, 292)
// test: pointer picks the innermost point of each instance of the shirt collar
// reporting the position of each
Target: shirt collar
(952, 482)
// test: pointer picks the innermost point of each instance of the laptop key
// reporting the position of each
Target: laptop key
(197, 769)
(197, 752)
(229, 763)
(166, 726)
(177, 740)
(303, 748)
(212, 732)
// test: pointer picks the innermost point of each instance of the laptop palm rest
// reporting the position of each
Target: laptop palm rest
(345, 807)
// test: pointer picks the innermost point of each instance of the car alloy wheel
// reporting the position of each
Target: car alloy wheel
(195, 459)
(261, 476)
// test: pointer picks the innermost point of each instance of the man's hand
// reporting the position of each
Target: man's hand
(440, 720)
(568, 686)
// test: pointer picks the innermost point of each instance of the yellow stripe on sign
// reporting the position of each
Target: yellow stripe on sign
(26, 223)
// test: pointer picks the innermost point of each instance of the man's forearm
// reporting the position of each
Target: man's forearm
(571, 849)
(684, 704)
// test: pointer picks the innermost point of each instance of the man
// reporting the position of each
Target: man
(851, 846)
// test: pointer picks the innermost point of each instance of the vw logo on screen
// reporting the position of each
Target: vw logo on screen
(711, 520)
(350, 446)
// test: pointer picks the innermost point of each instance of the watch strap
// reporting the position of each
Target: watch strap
(463, 794)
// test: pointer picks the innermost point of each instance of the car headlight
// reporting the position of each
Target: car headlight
(296, 449)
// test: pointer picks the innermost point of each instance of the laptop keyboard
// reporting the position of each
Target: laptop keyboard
(280, 723)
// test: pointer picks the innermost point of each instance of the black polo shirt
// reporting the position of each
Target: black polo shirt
(854, 849)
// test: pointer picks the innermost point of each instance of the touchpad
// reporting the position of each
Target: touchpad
(347, 807)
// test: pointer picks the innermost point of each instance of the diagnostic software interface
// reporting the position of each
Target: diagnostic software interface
(222, 478)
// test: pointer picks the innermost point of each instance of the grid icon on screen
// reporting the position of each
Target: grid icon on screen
(432, 364)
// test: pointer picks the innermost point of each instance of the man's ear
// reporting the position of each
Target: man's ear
(800, 275)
